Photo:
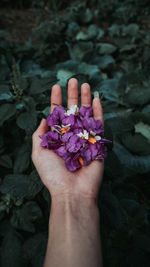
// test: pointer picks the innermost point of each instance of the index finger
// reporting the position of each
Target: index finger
(56, 96)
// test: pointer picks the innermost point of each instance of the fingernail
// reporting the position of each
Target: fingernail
(96, 94)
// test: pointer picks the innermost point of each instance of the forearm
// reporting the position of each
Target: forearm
(74, 234)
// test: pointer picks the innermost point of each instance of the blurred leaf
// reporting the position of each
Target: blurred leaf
(89, 33)
(6, 161)
(72, 30)
(87, 16)
(79, 50)
(4, 88)
(5, 96)
(27, 121)
(142, 241)
(15, 185)
(6, 112)
(143, 129)
(34, 250)
(22, 159)
(24, 217)
(35, 185)
(109, 89)
(113, 214)
(127, 48)
(11, 249)
(41, 85)
(63, 76)
(138, 164)
(136, 144)
(105, 61)
(46, 196)
(104, 48)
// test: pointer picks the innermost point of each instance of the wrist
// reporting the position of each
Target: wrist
(75, 203)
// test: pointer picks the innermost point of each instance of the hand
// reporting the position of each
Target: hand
(84, 182)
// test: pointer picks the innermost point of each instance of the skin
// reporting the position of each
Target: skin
(73, 194)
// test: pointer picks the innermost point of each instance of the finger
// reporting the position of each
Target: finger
(97, 108)
(85, 95)
(41, 130)
(56, 96)
(72, 92)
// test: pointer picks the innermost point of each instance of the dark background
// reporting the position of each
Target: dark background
(107, 44)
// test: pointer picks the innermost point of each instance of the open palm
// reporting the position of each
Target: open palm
(51, 168)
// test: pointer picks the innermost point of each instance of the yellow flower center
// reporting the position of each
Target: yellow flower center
(92, 140)
(80, 160)
(64, 130)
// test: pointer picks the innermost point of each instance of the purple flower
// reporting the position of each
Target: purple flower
(85, 111)
(94, 150)
(50, 140)
(62, 151)
(74, 143)
(65, 137)
(102, 153)
(86, 155)
(90, 124)
(69, 120)
(72, 162)
(74, 120)
(77, 136)
(56, 116)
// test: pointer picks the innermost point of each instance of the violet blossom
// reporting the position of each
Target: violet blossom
(76, 137)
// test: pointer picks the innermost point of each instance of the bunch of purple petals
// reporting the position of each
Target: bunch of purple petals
(75, 136)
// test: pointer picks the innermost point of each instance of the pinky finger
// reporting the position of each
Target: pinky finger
(97, 108)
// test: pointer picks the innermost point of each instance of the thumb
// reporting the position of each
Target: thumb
(43, 127)
(41, 130)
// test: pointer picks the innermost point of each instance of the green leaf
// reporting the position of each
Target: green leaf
(131, 29)
(91, 32)
(127, 48)
(143, 129)
(6, 161)
(142, 241)
(113, 214)
(35, 185)
(23, 217)
(11, 249)
(137, 257)
(80, 50)
(110, 166)
(22, 159)
(35, 87)
(88, 69)
(63, 76)
(87, 16)
(5, 93)
(15, 185)
(41, 85)
(104, 48)
(138, 164)
(72, 30)
(5, 96)
(105, 61)
(34, 250)
(27, 121)
(46, 196)
(109, 89)
(6, 112)
(136, 144)
(130, 205)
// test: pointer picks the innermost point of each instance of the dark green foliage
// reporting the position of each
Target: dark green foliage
(11, 249)
(104, 43)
